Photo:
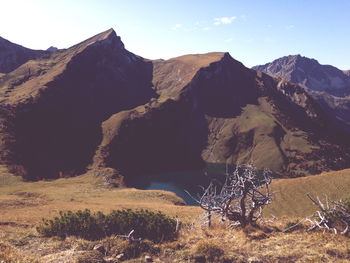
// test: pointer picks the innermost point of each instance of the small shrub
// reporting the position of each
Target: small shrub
(210, 250)
(146, 224)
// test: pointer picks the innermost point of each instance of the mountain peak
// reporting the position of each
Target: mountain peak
(293, 60)
(52, 49)
(110, 33)
(309, 73)
(109, 36)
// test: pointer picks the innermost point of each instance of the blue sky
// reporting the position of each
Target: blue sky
(254, 32)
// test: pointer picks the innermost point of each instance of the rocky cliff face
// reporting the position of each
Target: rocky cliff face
(327, 84)
(12, 55)
(96, 103)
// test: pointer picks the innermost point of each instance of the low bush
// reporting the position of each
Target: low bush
(146, 225)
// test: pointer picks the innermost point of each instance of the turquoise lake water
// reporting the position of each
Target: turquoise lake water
(181, 181)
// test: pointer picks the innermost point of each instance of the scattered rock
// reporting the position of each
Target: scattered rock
(111, 260)
(148, 259)
(100, 248)
(120, 256)
(254, 260)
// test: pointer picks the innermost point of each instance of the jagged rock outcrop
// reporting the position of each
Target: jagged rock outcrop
(13, 55)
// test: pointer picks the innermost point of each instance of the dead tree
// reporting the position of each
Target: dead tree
(332, 215)
(241, 198)
(130, 237)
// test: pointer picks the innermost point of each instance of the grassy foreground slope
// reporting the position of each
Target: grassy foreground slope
(291, 200)
(23, 204)
(87, 191)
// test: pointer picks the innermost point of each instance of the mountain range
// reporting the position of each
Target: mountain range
(96, 106)
(329, 85)
(310, 74)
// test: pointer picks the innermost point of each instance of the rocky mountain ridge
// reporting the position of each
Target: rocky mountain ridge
(309, 74)
(98, 105)
(52, 107)
(327, 84)
(13, 55)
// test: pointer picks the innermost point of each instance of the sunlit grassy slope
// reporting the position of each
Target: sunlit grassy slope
(27, 202)
(291, 200)
(23, 204)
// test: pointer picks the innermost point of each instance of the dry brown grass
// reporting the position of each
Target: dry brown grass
(170, 76)
(22, 206)
(218, 244)
(269, 244)
(26, 203)
(291, 200)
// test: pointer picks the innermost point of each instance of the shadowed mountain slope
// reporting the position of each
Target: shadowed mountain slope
(52, 107)
(13, 55)
(221, 112)
(98, 103)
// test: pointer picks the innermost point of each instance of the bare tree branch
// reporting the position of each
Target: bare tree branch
(333, 216)
(241, 198)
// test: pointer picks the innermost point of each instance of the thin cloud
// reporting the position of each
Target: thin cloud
(290, 27)
(176, 27)
(224, 20)
(229, 40)
(206, 28)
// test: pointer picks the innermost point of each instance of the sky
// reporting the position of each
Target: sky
(253, 32)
